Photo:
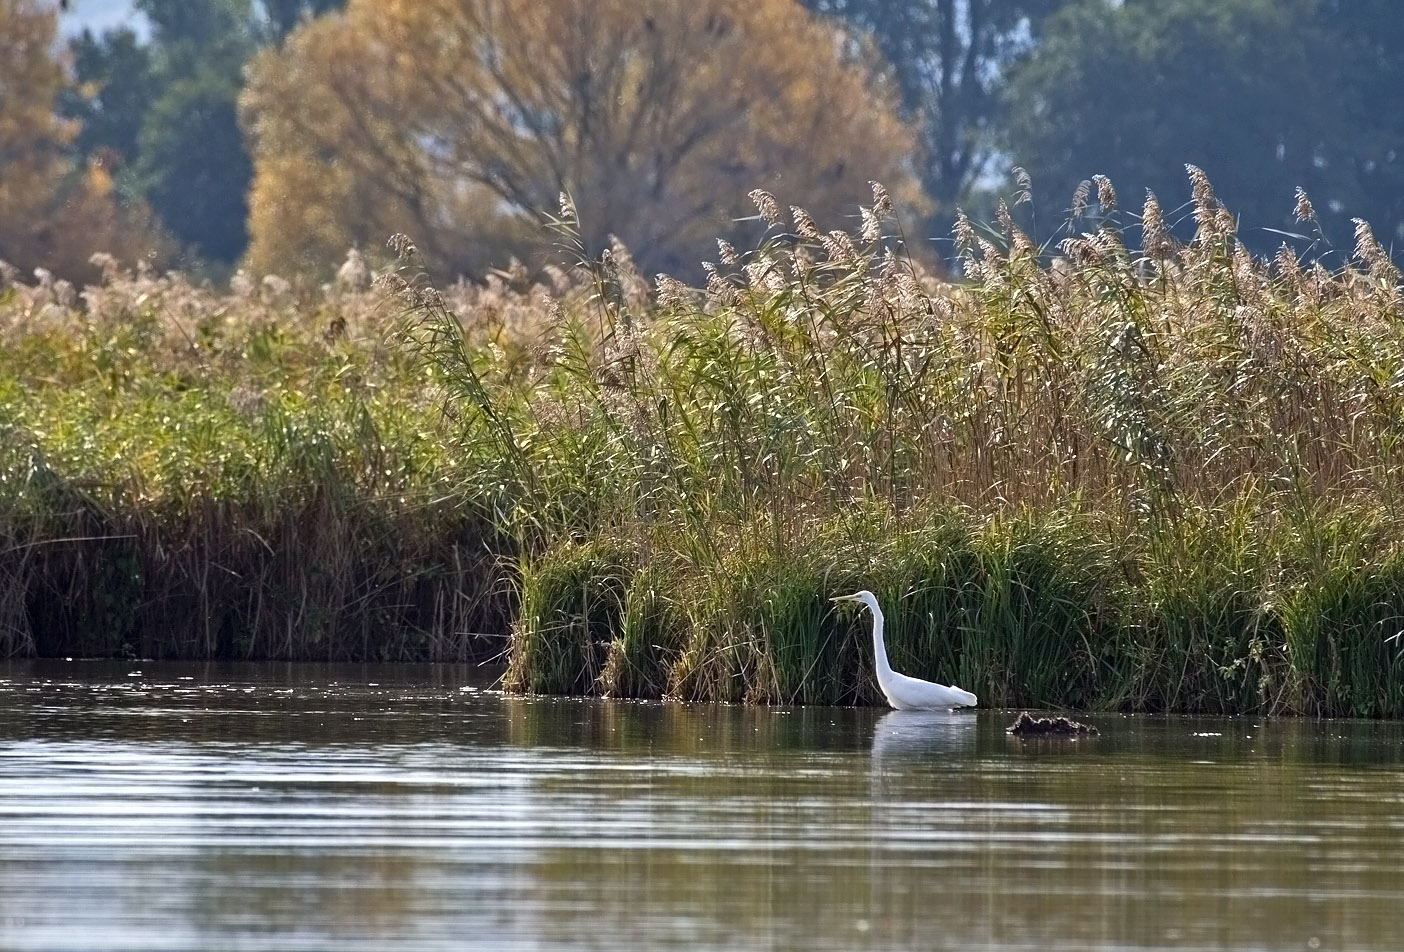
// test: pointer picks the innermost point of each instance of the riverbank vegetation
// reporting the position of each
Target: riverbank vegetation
(1158, 477)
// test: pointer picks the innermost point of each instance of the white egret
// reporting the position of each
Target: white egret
(903, 692)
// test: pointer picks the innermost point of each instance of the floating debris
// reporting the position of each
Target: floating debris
(1025, 725)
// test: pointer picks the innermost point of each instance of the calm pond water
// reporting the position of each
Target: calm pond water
(168, 807)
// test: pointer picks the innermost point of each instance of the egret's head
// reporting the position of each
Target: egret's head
(865, 597)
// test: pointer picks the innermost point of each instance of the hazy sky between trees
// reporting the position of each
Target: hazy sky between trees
(100, 15)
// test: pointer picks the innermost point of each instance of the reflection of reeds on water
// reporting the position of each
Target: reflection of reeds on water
(670, 728)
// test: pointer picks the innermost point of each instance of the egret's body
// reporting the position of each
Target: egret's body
(903, 692)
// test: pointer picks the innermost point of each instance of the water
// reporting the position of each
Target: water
(296, 808)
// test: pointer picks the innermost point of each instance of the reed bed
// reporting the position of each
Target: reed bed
(257, 474)
(1117, 477)
(1160, 477)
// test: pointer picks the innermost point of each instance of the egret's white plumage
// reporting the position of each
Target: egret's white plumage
(903, 692)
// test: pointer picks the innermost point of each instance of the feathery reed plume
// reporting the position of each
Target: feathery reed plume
(403, 247)
(804, 224)
(1106, 194)
(1246, 272)
(765, 276)
(671, 293)
(1206, 206)
(963, 231)
(1080, 197)
(1225, 222)
(871, 229)
(1005, 220)
(1304, 210)
(839, 247)
(1367, 247)
(1289, 268)
(767, 206)
(882, 202)
(1156, 240)
(722, 291)
(1024, 184)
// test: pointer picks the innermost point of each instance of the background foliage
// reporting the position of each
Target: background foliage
(462, 124)
(1264, 95)
(634, 110)
(161, 111)
(56, 208)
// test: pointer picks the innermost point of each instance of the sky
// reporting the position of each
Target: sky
(98, 15)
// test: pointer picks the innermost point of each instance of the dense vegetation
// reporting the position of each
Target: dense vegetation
(1165, 478)
(275, 134)
(188, 474)
(1143, 468)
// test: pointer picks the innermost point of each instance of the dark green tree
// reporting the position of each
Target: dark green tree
(284, 15)
(946, 58)
(193, 167)
(1366, 61)
(114, 88)
(1244, 89)
(163, 112)
(181, 29)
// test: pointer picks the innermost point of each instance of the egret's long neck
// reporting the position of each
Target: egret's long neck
(879, 646)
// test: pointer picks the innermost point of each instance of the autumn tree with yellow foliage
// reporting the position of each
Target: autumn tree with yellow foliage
(460, 123)
(54, 214)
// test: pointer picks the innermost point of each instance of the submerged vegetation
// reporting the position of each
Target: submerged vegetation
(1155, 478)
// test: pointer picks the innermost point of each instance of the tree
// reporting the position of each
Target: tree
(461, 122)
(162, 115)
(1136, 90)
(163, 112)
(192, 165)
(1365, 57)
(284, 15)
(54, 213)
(946, 57)
(113, 88)
(32, 138)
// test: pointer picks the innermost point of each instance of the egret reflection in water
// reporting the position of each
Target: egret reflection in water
(923, 735)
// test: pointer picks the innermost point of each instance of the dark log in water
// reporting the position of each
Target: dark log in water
(1026, 725)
